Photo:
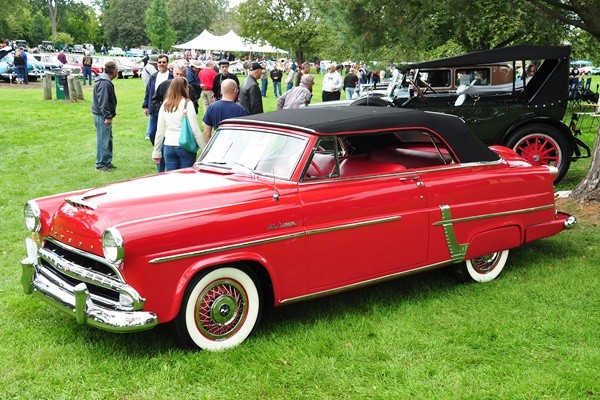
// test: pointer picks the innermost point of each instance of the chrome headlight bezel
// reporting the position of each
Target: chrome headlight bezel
(32, 214)
(113, 245)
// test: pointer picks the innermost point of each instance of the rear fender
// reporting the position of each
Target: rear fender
(494, 240)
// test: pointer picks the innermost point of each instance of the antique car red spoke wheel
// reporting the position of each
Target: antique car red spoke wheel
(482, 269)
(539, 150)
(219, 310)
(542, 144)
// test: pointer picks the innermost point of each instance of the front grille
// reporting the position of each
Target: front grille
(99, 294)
(82, 260)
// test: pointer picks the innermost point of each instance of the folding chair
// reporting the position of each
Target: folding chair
(574, 93)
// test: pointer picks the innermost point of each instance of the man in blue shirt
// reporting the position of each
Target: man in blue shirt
(222, 109)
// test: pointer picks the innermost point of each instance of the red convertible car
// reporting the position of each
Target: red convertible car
(257, 220)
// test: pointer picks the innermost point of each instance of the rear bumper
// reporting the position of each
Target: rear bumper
(43, 282)
(561, 222)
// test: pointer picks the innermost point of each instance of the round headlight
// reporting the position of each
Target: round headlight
(32, 216)
(112, 245)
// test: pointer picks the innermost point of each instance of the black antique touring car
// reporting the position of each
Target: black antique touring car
(493, 93)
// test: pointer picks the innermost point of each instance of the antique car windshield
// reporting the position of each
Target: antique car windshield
(259, 152)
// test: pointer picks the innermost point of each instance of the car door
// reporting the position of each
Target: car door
(362, 227)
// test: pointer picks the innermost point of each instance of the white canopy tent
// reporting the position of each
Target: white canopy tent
(228, 42)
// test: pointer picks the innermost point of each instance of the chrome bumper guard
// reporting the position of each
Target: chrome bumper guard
(76, 300)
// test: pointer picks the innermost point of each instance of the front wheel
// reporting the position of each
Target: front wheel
(481, 269)
(219, 310)
(542, 145)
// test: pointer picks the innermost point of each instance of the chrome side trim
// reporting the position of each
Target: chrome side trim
(225, 248)
(492, 215)
(273, 239)
(458, 251)
(353, 225)
(366, 283)
(102, 260)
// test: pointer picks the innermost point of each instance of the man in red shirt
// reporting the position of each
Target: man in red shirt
(207, 76)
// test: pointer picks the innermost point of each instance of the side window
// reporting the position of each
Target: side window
(324, 162)
(473, 76)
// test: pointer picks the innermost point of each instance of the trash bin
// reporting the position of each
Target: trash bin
(62, 87)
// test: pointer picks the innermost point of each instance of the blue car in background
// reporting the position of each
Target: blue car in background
(35, 69)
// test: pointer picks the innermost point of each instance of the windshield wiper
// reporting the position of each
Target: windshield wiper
(243, 168)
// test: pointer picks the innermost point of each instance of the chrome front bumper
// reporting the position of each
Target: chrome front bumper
(41, 281)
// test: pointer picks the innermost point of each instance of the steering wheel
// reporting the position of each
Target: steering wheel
(418, 90)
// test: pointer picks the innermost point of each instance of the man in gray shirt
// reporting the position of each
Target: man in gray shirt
(298, 96)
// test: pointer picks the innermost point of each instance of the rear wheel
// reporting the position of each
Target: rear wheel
(542, 144)
(219, 310)
(481, 269)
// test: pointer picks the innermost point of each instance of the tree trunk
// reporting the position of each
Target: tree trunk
(589, 189)
(53, 14)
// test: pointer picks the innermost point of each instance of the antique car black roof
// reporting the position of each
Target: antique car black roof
(349, 120)
(509, 53)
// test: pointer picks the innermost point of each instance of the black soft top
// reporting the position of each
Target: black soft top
(357, 120)
(509, 53)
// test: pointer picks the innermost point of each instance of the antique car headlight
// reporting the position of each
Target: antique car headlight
(32, 216)
(112, 245)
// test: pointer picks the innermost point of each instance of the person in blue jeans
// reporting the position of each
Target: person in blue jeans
(104, 109)
(276, 76)
(176, 105)
(264, 80)
(87, 68)
(150, 107)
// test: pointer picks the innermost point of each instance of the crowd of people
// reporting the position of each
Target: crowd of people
(174, 94)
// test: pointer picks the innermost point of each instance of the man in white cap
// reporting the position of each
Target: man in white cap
(192, 76)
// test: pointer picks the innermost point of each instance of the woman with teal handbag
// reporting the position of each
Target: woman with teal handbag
(178, 136)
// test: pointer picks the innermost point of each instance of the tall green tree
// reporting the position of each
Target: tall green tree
(14, 16)
(287, 24)
(40, 28)
(159, 26)
(191, 17)
(122, 24)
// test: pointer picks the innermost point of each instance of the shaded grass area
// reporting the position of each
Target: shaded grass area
(531, 334)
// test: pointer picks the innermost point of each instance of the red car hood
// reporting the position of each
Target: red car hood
(187, 190)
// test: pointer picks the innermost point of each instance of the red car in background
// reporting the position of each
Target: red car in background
(284, 207)
(97, 66)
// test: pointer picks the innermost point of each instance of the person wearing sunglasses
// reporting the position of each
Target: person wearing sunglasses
(223, 74)
(154, 82)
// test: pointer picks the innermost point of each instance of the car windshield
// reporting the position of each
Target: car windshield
(257, 152)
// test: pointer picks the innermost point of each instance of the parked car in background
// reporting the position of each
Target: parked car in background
(46, 47)
(35, 69)
(129, 63)
(499, 105)
(135, 53)
(237, 67)
(52, 60)
(77, 59)
(77, 49)
(125, 69)
(283, 207)
(116, 51)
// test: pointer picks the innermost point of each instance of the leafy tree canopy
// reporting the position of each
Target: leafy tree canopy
(287, 24)
(159, 26)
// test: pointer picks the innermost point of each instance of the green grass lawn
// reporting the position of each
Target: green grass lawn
(533, 333)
